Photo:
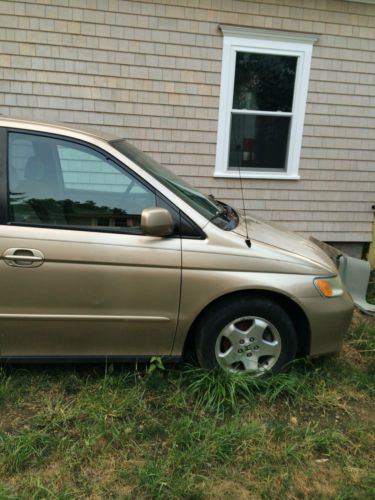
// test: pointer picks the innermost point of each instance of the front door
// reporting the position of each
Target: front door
(78, 278)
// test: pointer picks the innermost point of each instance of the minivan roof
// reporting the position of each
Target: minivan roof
(53, 127)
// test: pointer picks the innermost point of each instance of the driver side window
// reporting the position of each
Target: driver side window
(59, 182)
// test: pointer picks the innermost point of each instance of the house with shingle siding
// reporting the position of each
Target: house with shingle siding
(276, 95)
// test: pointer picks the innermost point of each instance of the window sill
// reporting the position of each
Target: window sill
(258, 175)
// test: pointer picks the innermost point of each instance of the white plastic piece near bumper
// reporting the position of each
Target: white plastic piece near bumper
(355, 273)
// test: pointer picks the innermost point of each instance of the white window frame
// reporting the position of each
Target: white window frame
(238, 39)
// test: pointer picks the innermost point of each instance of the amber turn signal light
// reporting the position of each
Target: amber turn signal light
(324, 287)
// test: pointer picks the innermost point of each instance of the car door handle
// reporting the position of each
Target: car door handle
(23, 257)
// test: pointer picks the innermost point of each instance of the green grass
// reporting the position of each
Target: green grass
(69, 432)
(371, 289)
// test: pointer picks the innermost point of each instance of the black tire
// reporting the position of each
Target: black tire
(233, 315)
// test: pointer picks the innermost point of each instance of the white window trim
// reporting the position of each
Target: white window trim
(266, 42)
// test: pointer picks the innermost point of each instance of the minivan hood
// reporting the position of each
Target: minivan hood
(276, 236)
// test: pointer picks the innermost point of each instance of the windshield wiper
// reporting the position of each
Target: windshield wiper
(224, 209)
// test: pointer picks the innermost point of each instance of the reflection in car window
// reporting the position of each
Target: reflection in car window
(59, 182)
(225, 219)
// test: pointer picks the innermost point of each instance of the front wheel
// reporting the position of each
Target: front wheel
(246, 334)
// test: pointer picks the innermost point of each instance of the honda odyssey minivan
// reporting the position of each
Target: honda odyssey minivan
(105, 254)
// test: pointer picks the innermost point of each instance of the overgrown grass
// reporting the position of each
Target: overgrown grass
(371, 289)
(124, 432)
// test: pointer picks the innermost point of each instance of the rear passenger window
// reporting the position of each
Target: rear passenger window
(63, 183)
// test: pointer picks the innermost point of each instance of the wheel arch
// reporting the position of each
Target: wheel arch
(294, 310)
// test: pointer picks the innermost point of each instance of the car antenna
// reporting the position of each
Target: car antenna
(247, 240)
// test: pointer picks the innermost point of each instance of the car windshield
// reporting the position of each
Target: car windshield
(215, 211)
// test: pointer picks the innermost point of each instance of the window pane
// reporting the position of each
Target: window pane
(258, 142)
(57, 182)
(83, 169)
(264, 82)
(33, 180)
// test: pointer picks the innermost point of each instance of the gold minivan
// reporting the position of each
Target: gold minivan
(105, 254)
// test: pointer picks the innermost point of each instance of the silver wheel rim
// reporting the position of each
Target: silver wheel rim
(249, 344)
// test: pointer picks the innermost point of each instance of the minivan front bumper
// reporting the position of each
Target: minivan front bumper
(329, 320)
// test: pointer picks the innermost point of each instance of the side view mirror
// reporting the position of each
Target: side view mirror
(156, 221)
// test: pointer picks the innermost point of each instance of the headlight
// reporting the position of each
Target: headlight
(329, 287)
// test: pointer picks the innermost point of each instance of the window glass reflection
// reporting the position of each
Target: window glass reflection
(258, 141)
(264, 82)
